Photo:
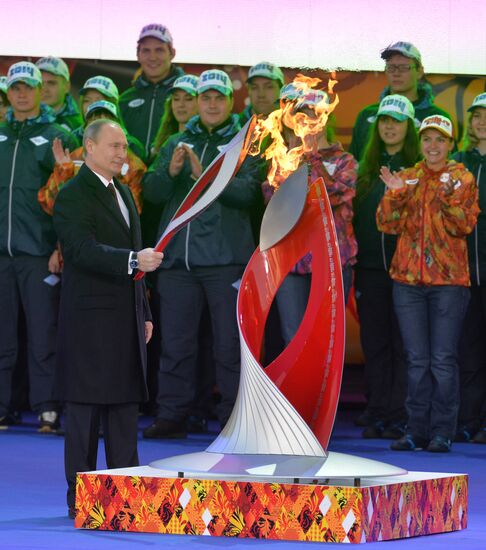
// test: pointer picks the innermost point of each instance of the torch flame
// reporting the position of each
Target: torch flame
(305, 124)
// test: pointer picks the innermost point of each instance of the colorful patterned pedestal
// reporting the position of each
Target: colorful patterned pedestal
(140, 500)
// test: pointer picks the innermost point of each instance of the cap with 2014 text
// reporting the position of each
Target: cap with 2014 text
(53, 65)
(102, 106)
(396, 106)
(103, 84)
(266, 70)
(479, 101)
(3, 84)
(25, 72)
(438, 122)
(406, 49)
(187, 82)
(302, 98)
(214, 79)
(156, 30)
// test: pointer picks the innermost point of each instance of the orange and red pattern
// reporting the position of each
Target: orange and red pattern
(432, 226)
(64, 172)
(271, 510)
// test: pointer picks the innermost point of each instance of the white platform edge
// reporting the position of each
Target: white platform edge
(147, 471)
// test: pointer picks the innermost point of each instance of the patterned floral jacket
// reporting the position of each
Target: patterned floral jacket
(339, 171)
(132, 173)
(431, 226)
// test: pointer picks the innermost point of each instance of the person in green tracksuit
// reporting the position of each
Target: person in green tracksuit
(393, 143)
(405, 74)
(27, 241)
(4, 102)
(205, 260)
(142, 105)
(472, 348)
(264, 82)
(55, 92)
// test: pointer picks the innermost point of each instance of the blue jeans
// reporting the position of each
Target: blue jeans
(430, 319)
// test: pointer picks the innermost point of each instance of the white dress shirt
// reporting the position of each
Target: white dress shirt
(123, 209)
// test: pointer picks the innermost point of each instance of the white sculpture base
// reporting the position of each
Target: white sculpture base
(336, 467)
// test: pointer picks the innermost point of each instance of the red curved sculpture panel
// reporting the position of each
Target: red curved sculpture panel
(309, 371)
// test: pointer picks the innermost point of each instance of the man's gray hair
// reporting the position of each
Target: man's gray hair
(93, 129)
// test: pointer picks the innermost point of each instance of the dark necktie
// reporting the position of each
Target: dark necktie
(112, 190)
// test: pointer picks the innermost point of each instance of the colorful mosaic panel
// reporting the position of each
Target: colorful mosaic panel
(271, 511)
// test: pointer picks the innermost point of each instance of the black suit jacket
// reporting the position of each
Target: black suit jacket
(101, 353)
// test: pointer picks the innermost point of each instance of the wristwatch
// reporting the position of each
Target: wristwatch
(133, 263)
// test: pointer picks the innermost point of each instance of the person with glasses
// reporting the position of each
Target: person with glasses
(405, 75)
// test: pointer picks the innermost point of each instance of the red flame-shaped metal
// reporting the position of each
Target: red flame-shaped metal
(309, 371)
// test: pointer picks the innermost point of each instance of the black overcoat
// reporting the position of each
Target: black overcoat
(101, 352)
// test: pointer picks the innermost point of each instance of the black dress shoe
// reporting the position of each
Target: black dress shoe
(439, 444)
(394, 431)
(463, 435)
(364, 419)
(165, 429)
(196, 425)
(480, 437)
(374, 431)
(10, 419)
(409, 443)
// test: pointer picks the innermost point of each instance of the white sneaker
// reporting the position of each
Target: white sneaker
(48, 422)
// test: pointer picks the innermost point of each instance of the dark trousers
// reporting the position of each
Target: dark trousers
(292, 297)
(22, 285)
(472, 363)
(381, 341)
(183, 296)
(431, 319)
(82, 422)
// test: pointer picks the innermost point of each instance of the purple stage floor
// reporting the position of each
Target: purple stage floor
(33, 510)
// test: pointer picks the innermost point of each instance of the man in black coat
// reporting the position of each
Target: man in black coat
(104, 321)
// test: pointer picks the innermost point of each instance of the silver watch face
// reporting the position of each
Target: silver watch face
(134, 264)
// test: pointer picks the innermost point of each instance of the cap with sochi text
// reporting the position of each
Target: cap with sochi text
(25, 72)
(404, 48)
(266, 70)
(214, 79)
(396, 106)
(155, 30)
(187, 82)
(301, 97)
(103, 84)
(102, 106)
(479, 101)
(53, 65)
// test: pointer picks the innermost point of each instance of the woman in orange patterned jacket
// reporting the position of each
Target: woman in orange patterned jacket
(431, 207)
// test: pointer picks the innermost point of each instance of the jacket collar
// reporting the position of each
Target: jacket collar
(69, 108)
(46, 116)
(228, 128)
(104, 196)
(425, 96)
(142, 82)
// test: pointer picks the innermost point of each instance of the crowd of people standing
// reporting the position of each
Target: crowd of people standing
(407, 203)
